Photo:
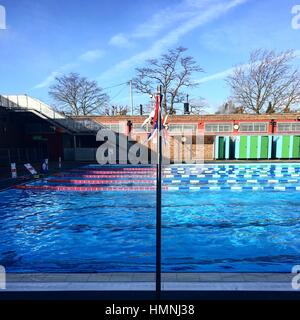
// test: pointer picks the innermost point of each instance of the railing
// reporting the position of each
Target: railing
(19, 102)
(29, 103)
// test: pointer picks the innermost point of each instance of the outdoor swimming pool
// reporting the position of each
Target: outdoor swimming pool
(215, 219)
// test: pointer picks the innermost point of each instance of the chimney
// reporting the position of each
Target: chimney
(186, 106)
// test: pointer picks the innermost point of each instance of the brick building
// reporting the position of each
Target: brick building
(30, 130)
(213, 127)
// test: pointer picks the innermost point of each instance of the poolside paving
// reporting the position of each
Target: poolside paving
(146, 281)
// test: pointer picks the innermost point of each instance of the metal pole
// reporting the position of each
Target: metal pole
(158, 197)
(75, 147)
(131, 97)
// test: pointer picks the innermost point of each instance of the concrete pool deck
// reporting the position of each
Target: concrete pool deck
(146, 282)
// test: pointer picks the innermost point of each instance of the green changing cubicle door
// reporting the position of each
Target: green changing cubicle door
(253, 147)
(264, 150)
(296, 147)
(286, 145)
(221, 148)
(243, 147)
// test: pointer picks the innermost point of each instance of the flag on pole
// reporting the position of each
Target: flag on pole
(155, 119)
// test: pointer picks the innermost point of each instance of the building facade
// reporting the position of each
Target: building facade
(224, 136)
(30, 130)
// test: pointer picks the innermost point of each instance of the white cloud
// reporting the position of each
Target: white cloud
(120, 40)
(225, 73)
(201, 17)
(92, 55)
(161, 20)
(47, 81)
(169, 16)
(216, 76)
(186, 16)
(87, 57)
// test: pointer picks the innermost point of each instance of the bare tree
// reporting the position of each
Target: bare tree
(229, 108)
(198, 106)
(116, 111)
(173, 71)
(268, 83)
(76, 95)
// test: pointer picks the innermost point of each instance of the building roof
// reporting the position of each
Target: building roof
(197, 118)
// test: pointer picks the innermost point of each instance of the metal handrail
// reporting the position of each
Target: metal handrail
(28, 103)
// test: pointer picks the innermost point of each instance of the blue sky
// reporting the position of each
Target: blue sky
(106, 39)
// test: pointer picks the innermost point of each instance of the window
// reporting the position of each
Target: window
(288, 126)
(253, 127)
(87, 124)
(116, 127)
(183, 128)
(137, 128)
(218, 127)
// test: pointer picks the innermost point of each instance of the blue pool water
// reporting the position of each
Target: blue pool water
(203, 231)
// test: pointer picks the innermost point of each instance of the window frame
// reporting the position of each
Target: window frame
(253, 126)
(140, 129)
(289, 124)
(218, 124)
(193, 131)
(121, 127)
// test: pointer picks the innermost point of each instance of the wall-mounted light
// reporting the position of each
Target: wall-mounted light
(129, 125)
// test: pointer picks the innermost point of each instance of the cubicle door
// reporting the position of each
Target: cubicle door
(296, 147)
(221, 148)
(286, 145)
(243, 147)
(253, 147)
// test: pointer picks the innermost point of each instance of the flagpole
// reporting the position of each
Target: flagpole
(158, 195)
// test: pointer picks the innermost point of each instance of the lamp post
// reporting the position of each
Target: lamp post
(273, 124)
(158, 194)
(131, 97)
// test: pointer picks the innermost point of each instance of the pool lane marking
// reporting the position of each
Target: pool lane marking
(98, 181)
(85, 189)
(176, 177)
(107, 173)
(104, 176)
(215, 173)
(231, 176)
(165, 188)
(222, 181)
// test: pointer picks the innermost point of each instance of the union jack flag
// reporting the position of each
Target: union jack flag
(155, 119)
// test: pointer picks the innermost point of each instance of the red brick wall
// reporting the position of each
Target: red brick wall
(208, 151)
